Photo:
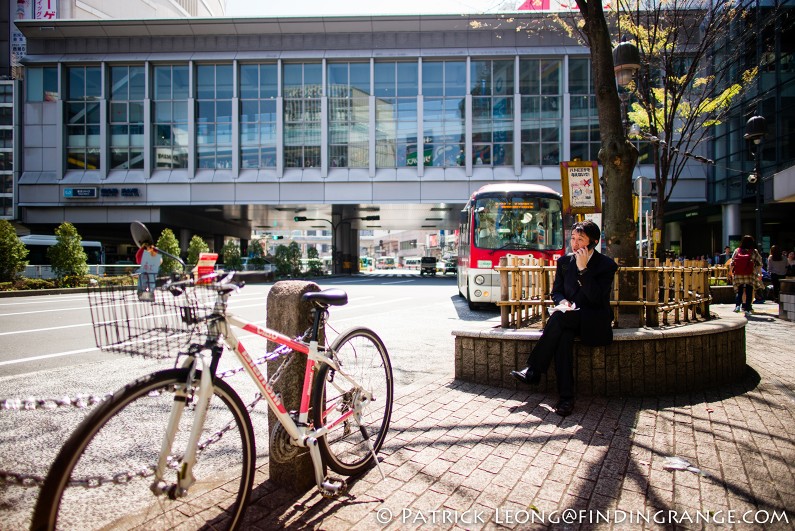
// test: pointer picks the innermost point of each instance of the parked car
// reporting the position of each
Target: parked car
(427, 266)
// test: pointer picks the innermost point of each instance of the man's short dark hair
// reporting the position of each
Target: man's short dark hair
(589, 228)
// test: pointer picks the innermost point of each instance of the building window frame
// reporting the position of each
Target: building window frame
(396, 89)
(541, 110)
(258, 88)
(127, 95)
(348, 91)
(83, 117)
(444, 112)
(213, 125)
(302, 92)
(492, 90)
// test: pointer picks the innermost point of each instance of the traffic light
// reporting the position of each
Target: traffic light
(277, 237)
(299, 218)
(371, 218)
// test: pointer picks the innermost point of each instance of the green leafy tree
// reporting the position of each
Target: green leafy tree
(315, 263)
(12, 252)
(196, 246)
(231, 254)
(168, 243)
(689, 79)
(288, 260)
(67, 256)
(256, 251)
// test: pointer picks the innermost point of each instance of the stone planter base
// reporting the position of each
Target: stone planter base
(639, 362)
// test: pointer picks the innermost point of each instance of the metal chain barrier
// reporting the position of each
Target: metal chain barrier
(83, 401)
(79, 402)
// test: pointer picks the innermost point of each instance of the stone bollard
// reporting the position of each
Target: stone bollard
(288, 315)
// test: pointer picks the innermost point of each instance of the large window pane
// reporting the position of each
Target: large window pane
(349, 115)
(214, 115)
(541, 110)
(83, 117)
(492, 112)
(170, 116)
(584, 135)
(396, 114)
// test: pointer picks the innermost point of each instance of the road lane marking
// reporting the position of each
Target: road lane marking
(37, 299)
(35, 330)
(400, 281)
(45, 311)
(48, 356)
(86, 307)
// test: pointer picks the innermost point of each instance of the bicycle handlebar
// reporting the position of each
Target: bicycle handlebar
(225, 284)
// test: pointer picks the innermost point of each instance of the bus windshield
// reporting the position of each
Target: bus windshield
(518, 221)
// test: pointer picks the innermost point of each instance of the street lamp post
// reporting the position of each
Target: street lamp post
(334, 226)
(626, 63)
(755, 131)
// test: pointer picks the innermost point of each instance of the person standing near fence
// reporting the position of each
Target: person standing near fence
(147, 273)
(777, 267)
(581, 291)
(745, 266)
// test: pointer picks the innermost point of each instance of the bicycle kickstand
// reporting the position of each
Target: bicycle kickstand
(369, 446)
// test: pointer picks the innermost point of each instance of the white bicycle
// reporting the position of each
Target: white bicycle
(175, 449)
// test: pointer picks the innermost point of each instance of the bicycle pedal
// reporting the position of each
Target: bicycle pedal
(333, 487)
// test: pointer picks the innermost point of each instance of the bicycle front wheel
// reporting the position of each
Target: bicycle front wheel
(361, 355)
(104, 475)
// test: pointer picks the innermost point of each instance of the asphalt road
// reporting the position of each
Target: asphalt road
(47, 350)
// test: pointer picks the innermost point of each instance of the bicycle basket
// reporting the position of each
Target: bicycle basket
(154, 322)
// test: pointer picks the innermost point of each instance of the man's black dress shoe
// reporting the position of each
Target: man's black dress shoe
(565, 407)
(527, 376)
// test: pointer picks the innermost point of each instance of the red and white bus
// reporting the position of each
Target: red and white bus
(501, 219)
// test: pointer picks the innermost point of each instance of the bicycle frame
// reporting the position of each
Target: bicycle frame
(301, 433)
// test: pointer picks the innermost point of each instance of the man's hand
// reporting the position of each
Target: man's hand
(581, 256)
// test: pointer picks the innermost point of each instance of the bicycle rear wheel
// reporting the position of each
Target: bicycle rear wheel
(363, 356)
(103, 475)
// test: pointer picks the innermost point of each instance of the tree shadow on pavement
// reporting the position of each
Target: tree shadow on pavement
(616, 454)
(461, 446)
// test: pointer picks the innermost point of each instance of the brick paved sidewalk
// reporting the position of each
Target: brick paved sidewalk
(465, 456)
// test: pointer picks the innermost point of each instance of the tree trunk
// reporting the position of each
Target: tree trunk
(617, 154)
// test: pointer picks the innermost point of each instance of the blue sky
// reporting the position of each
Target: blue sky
(266, 8)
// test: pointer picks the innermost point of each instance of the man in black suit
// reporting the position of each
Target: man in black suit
(583, 282)
(727, 254)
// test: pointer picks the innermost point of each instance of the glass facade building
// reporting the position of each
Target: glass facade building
(771, 96)
(7, 149)
(186, 117)
(468, 112)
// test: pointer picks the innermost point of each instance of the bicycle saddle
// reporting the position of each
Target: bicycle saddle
(327, 297)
